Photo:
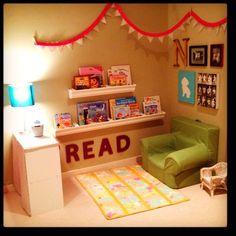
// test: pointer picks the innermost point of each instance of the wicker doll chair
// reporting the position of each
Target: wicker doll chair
(214, 177)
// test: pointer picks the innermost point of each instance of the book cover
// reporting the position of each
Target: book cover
(123, 70)
(62, 120)
(91, 70)
(81, 82)
(150, 108)
(94, 72)
(134, 110)
(117, 80)
(153, 100)
(121, 112)
(120, 101)
(92, 112)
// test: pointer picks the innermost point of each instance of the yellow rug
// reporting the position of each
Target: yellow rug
(127, 190)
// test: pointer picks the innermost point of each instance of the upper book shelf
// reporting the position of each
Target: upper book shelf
(108, 90)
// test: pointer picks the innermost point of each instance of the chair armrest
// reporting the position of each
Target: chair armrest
(157, 143)
(187, 158)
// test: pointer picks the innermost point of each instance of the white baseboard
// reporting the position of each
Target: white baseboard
(123, 162)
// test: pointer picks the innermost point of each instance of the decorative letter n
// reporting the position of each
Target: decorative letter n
(179, 50)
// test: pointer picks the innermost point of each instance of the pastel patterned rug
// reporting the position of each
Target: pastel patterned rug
(127, 190)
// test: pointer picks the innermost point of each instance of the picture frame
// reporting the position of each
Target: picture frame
(186, 86)
(198, 55)
(216, 55)
(208, 90)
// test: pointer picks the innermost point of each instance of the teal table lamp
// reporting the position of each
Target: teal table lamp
(21, 96)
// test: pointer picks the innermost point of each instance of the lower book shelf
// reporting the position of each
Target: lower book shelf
(107, 124)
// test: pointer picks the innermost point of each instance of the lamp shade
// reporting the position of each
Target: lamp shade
(21, 95)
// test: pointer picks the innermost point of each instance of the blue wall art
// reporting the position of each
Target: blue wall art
(186, 86)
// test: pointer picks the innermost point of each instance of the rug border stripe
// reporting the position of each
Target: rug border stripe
(132, 190)
(113, 196)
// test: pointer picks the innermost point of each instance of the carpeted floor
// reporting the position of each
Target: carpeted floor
(80, 210)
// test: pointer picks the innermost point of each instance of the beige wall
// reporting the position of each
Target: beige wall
(52, 71)
(210, 13)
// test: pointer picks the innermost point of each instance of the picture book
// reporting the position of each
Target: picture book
(81, 82)
(62, 120)
(120, 101)
(134, 110)
(150, 108)
(117, 80)
(151, 105)
(96, 75)
(121, 112)
(123, 70)
(92, 112)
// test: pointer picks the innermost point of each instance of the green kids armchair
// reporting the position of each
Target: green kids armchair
(177, 157)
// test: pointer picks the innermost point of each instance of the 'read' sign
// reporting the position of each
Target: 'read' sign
(72, 150)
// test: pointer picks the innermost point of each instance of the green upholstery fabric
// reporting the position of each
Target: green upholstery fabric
(177, 157)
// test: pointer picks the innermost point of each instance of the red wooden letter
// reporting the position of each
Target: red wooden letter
(71, 150)
(105, 146)
(87, 149)
(118, 143)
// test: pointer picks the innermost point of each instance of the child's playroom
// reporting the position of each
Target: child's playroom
(115, 115)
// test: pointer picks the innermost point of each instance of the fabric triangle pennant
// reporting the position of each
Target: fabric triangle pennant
(108, 14)
(88, 37)
(96, 29)
(123, 22)
(200, 28)
(80, 41)
(52, 49)
(171, 36)
(150, 39)
(104, 20)
(161, 39)
(131, 30)
(60, 48)
(224, 26)
(70, 45)
(217, 29)
(182, 28)
(194, 23)
(117, 13)
(188, 21)
(139, 35)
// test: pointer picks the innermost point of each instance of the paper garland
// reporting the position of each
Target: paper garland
(133, 28)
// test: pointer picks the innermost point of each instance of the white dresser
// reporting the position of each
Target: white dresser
(37, 173)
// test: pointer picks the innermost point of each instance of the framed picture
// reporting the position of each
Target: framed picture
(186, 86)
(208, 90)
(216, 55)
(198, 55)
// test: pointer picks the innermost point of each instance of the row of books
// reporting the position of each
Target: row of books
(100, 111)
(94, 77)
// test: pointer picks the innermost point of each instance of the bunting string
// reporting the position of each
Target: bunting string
(132, 27)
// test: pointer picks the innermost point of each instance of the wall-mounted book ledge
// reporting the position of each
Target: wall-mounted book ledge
(108, 90)
(107, 124)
